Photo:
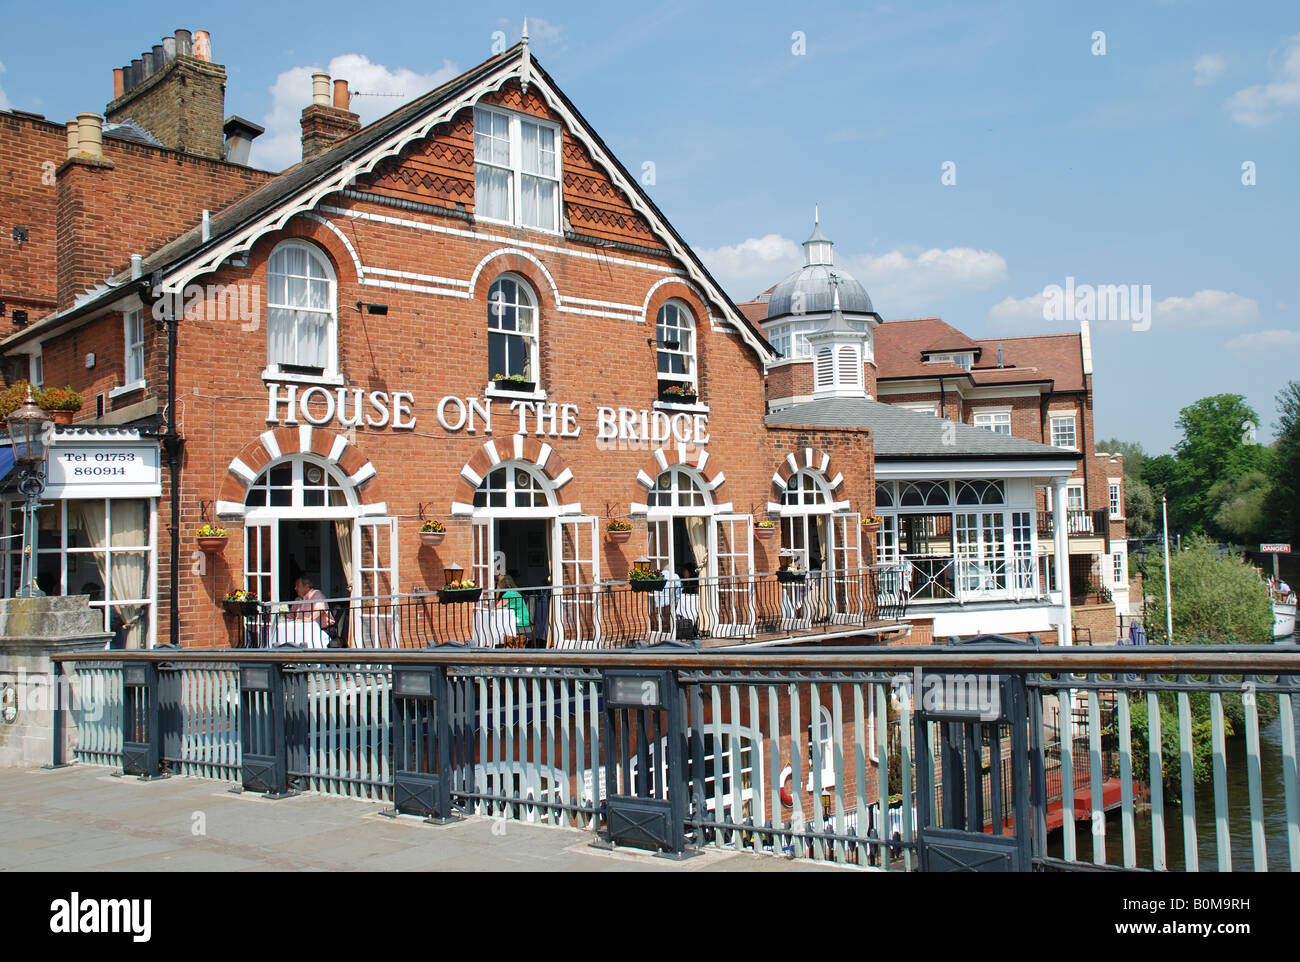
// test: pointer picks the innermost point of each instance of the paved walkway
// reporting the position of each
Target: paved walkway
(83, 818)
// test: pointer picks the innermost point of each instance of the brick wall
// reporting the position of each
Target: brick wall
(182, 105)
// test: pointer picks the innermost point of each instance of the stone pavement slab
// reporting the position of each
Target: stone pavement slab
(84, 818)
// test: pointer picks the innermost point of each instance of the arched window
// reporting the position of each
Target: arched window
(678, 488)
(923, 493)
(675, 340)
(805, 489)
(512, 486)
(301, 326)
(512, 333)
(298, 482)
(884, 496)
(980, 492)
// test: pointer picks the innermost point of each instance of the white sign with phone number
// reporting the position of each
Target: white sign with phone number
(103, 471)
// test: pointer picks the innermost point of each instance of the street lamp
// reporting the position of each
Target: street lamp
(1142, 579)
(29, 431)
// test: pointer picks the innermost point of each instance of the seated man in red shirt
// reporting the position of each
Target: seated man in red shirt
(311, 609)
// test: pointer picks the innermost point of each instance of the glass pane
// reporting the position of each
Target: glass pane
(492, 192)
(128, 579)
(84, 576)
(128, 524)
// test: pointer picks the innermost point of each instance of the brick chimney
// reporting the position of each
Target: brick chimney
(83, 210)
(323, 123)
(175, 92)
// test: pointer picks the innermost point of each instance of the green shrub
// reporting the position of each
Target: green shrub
(1218, 598)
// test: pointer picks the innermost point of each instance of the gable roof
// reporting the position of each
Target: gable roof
(900, 434)
(902, 345)
(235, 228)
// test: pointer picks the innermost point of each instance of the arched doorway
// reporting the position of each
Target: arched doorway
(549, 550)
(709, 549)
(826, 540)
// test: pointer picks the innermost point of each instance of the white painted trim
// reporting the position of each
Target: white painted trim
(471, 476)
(340, 445)
(661, 459)
(644, 479)
(126, 389)
(544, 455)
(460, 509)
(563, 478)
(836, 481)
(490, 448)
(502, 252)
(704, 459)
(304, 439)
(363, 474)
(229, 509)
(518, 440)
(242, 471)
(638, 509)
(356, 261)
(270, 445)
(716, 482)
(779, 481)
(826, 463)
(370, 510)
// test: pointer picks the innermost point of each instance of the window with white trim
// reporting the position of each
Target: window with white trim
(932, 409)
(1074, 497)
(964, 361)
(512, 330)
(512, 486)
(677, 488)
(36, 369)
(999, 422)
(516, 169)
(1062, 432)
(297, 482)
(1117, 568)
(134, 327)
(1116, 505)
(301, 328)
(675, 342)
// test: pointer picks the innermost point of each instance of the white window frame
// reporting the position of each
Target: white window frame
(685, 322)
(532, 339)
(993, 419)
(36, 369)
(965, 360)
(1114, 490)
(516, 169)
(330, 375)
(1117, 569)
(133, 358)
(1053, 421)
(921, 407)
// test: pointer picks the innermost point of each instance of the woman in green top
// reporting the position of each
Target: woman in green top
(508, 596)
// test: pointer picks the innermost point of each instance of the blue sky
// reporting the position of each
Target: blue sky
(1117, 168)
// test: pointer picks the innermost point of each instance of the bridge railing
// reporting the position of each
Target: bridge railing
(787, 751)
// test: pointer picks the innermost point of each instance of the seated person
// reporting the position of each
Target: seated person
(310, 616)
(509, 597)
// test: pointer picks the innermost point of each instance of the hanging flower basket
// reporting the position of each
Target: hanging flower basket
(458, 596)
(620, 537)
(765, 531)
(432, 539)
(239, 602)
(620, 532)
(211, 540)
(871, 525)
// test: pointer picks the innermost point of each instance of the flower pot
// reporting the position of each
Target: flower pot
(645, 585)
(871, 527)
(245, 608)
(786, 576)
(679, 398)
(619, 537)
(432, 539)
(456, 596)
(764, 533)
(518, 387)
(214, 545)
(61, 417)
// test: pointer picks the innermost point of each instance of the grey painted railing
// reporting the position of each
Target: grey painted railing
(789, 750)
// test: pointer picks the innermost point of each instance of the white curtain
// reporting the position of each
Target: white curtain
(697, 531)
(343, 534)
(130, 569)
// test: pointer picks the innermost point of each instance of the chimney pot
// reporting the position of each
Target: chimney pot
(183, 43)
(203, 45)
(90, 132)
(119, 82)
(147, 58)
(169, 49)
(137, 267)
(320, 88)
(137, 72)
(341, 94)
(159, 57)
(73, 143)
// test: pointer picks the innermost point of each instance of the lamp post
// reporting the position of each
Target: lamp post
(29, 432)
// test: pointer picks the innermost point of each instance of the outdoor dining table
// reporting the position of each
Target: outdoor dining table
(493, 625)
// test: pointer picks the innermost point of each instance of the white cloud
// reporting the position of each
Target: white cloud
(1021, 312)
(1265, 343)
(753, 265)
(1261, 104)
(4, 100)
(1208, 68)
(1206, 310)
(901, 284)
(281, 145)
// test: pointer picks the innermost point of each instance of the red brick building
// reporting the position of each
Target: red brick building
(466, 312)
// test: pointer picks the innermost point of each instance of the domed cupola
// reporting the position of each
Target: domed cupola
(809, 289)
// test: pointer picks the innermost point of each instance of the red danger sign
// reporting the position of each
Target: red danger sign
(1275, 548)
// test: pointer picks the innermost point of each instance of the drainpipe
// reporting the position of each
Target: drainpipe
(172, 444)
(943, 410)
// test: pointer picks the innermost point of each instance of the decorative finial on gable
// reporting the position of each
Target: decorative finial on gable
(526, 66)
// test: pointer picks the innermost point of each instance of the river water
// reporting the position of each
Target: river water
(1274, 808)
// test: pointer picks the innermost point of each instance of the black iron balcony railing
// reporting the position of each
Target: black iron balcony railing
(1084, 524)
(607, 615)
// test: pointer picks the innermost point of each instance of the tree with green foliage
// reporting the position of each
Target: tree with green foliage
(1218, 444)
(1158, 472)
(1283, 502)
(1218, 598)
(1242, 515)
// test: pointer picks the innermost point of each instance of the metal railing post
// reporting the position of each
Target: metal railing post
(141, 722)
(420, 713)
(263, 751)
